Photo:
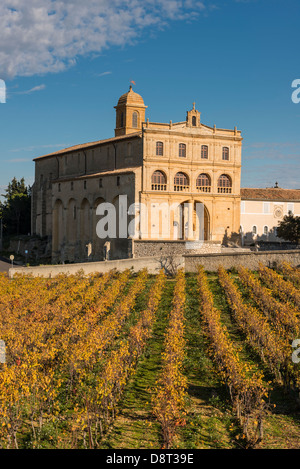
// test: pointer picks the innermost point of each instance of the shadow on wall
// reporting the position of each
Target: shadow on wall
(265, 242)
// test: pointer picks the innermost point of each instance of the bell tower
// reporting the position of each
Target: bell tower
(193, 118)
(130, 113)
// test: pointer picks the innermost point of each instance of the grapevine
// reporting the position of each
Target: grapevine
(246, 386)
(169, 395)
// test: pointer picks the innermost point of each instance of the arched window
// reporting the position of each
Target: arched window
(182, 150)
(224, 184)
(254, 230)
(159, 148)
(181, 182)
(134, 119)
(158, 181)
(225, 153)
(203, 183)
(122, 120)
(266, 230)
(204, 151)
(194, 121)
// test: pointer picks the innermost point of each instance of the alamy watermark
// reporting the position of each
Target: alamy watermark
(296, 92)
(2, 92)
(153, 221)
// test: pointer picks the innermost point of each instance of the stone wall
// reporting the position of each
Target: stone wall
(189, 262)
(160, 248)
(153, 265)
(250, 260)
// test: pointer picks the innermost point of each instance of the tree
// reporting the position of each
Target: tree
(289, 228)
(16, 208)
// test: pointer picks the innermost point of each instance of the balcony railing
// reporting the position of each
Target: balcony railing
(224, 190)
(203, 188)
(159, 187)
(179, 188)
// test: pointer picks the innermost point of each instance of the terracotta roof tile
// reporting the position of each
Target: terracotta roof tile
(273, 193)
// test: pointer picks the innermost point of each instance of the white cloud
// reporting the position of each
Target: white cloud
(103, 74)
(32, 90)
(38, 147)
(42, 36)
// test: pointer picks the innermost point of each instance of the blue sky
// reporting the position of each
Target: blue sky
(65, 64)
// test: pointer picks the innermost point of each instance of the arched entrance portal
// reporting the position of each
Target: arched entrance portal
(194, 221)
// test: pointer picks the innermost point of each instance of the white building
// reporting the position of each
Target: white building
(263, 209)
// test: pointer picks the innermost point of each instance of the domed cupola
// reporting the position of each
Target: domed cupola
(130, 113)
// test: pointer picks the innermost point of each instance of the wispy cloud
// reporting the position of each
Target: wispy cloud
(42, 36)
(268, 162)
(104, 74)
(271, 151)
(39, 147)
(18, 160)
(31, 90)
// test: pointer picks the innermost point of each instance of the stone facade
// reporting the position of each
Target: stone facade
(166, 170)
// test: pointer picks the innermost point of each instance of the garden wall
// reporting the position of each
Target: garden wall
(189, 262)
(250, 260)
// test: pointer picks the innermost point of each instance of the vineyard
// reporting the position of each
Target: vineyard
(123, 360)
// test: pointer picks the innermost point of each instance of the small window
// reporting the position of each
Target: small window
(84, 184)
(118, 180)
(266, 207)
(266, 230)
(72, 185)
(225, 153)
(59, 188)
(194, 121)
(290, 208)
(134, 119)
(254, 230)
(204, 151)
(100, 182)
(182, 150)
(122, 120)
(159, 148)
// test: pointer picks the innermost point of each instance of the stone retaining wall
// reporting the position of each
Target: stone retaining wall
(145, 248)
(153, 265)
(250, 260)
(189, 262)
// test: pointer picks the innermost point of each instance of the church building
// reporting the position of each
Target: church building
(149, 172)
